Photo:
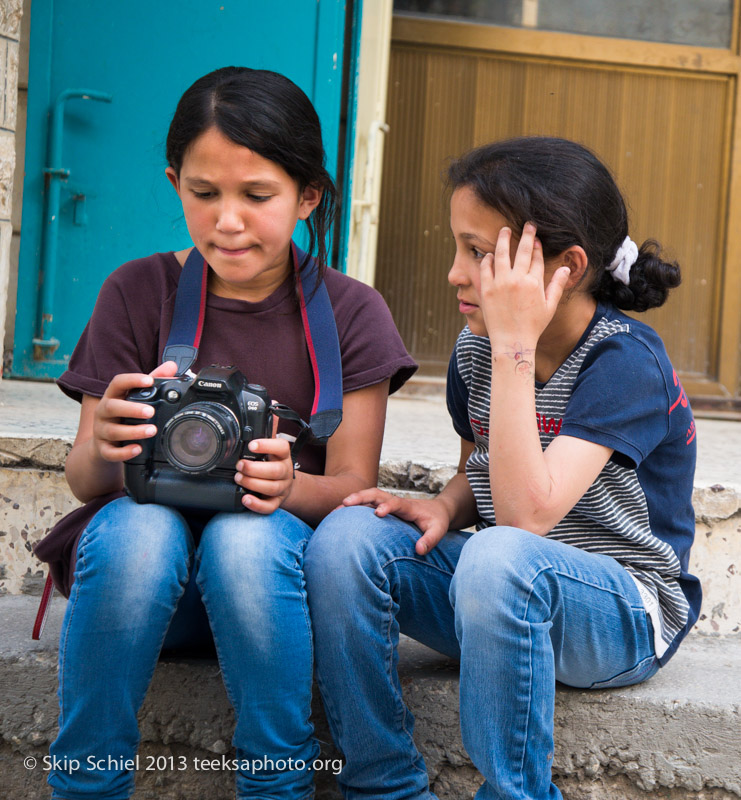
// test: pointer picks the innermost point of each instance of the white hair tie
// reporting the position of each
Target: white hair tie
(626, 256)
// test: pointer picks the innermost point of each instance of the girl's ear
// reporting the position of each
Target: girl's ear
(576, 260)
(309, 200)
(172, 176)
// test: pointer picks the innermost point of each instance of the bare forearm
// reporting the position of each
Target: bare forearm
(459, 502)
(519, 476)
(89, 475)
(312, 497)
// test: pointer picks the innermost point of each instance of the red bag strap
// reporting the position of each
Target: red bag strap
(44, 606)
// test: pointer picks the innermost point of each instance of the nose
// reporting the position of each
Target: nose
(457, 274)
(229, 217)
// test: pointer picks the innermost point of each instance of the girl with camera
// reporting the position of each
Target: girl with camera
(576, 467)
(245, 157)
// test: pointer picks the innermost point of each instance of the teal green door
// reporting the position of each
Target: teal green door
(95, 194)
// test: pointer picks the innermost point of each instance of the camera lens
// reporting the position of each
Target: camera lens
(200, 437)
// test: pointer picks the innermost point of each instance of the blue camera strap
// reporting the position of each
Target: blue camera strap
(322, 343)
(320, 331)
(189, 313)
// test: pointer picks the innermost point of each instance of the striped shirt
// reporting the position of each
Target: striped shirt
(617, 389)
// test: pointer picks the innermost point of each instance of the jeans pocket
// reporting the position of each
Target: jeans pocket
(642, 671)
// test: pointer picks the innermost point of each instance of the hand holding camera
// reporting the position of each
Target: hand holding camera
(211, 446)
(112, 440)
(268, 483)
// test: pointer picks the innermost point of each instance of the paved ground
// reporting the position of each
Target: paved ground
(418, 428)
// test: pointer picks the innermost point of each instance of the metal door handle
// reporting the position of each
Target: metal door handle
(45, 344)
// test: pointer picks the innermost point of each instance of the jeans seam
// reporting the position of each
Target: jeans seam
(650, 662)
(191, 560)
(592, 585)
(419, 561)
(332, 715)
(521, 767)
(229, 693)
(389, 660)
(304, 598)
(63, 650)
(649, 665)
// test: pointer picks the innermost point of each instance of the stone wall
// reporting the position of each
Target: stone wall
(11, 12)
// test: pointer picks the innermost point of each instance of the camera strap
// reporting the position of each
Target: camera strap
(320, 331)
(322, 343)
(189, 313)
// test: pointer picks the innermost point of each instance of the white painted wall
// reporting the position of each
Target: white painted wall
(370, 130)
(11, 12)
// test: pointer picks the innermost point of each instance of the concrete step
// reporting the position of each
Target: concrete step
(677, 736)
(38, 423)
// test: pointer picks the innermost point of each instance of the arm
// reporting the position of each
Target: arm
(531, 488)
(94, 464)
(353, 453)
(453, 509)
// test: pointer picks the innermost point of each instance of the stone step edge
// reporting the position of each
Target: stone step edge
(645, 734)
(712, 502)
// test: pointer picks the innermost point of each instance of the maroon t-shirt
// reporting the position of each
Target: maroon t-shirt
(131, 321)
(128, 331)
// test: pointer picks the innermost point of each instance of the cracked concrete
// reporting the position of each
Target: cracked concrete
(669, 738)
(676, 738)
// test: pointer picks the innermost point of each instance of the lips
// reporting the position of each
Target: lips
(233, 251)
(465, 307)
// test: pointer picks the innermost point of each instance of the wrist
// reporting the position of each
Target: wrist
(291, 482)
(513, 355)
(293, 492)
(95, 456)
(513, 343)
(447, 506)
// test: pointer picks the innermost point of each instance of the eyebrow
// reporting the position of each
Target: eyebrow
(255, 184)
(474, 237)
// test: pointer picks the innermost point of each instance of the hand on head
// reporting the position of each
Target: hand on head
(516, 302)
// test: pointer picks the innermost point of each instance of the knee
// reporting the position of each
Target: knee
(495, 565)
(132, 555)
(241, 547)
(129, 542)
(349, 542)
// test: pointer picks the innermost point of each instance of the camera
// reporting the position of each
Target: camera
(204, 424)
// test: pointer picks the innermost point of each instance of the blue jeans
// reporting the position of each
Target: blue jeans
(520, 612)
(135, 563)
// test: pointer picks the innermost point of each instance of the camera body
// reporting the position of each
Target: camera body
(204, 425)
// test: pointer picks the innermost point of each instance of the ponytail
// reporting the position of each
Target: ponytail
(572, 199)
(650, 278)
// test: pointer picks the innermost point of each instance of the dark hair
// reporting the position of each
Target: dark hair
(267, 113)
(572, 199)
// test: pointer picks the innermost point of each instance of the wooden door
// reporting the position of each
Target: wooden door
(662, 116)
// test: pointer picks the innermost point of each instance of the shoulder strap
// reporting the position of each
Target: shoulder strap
(317, 317)
(189, 314)
(323, 344)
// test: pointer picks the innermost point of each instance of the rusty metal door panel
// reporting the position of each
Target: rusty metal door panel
(666, 135)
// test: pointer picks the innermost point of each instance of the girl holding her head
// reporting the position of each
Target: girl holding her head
(577, 463)
(246, 159)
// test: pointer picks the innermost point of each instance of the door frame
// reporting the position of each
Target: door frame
(580, 48)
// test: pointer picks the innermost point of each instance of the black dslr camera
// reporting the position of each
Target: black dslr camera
(204, 425)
